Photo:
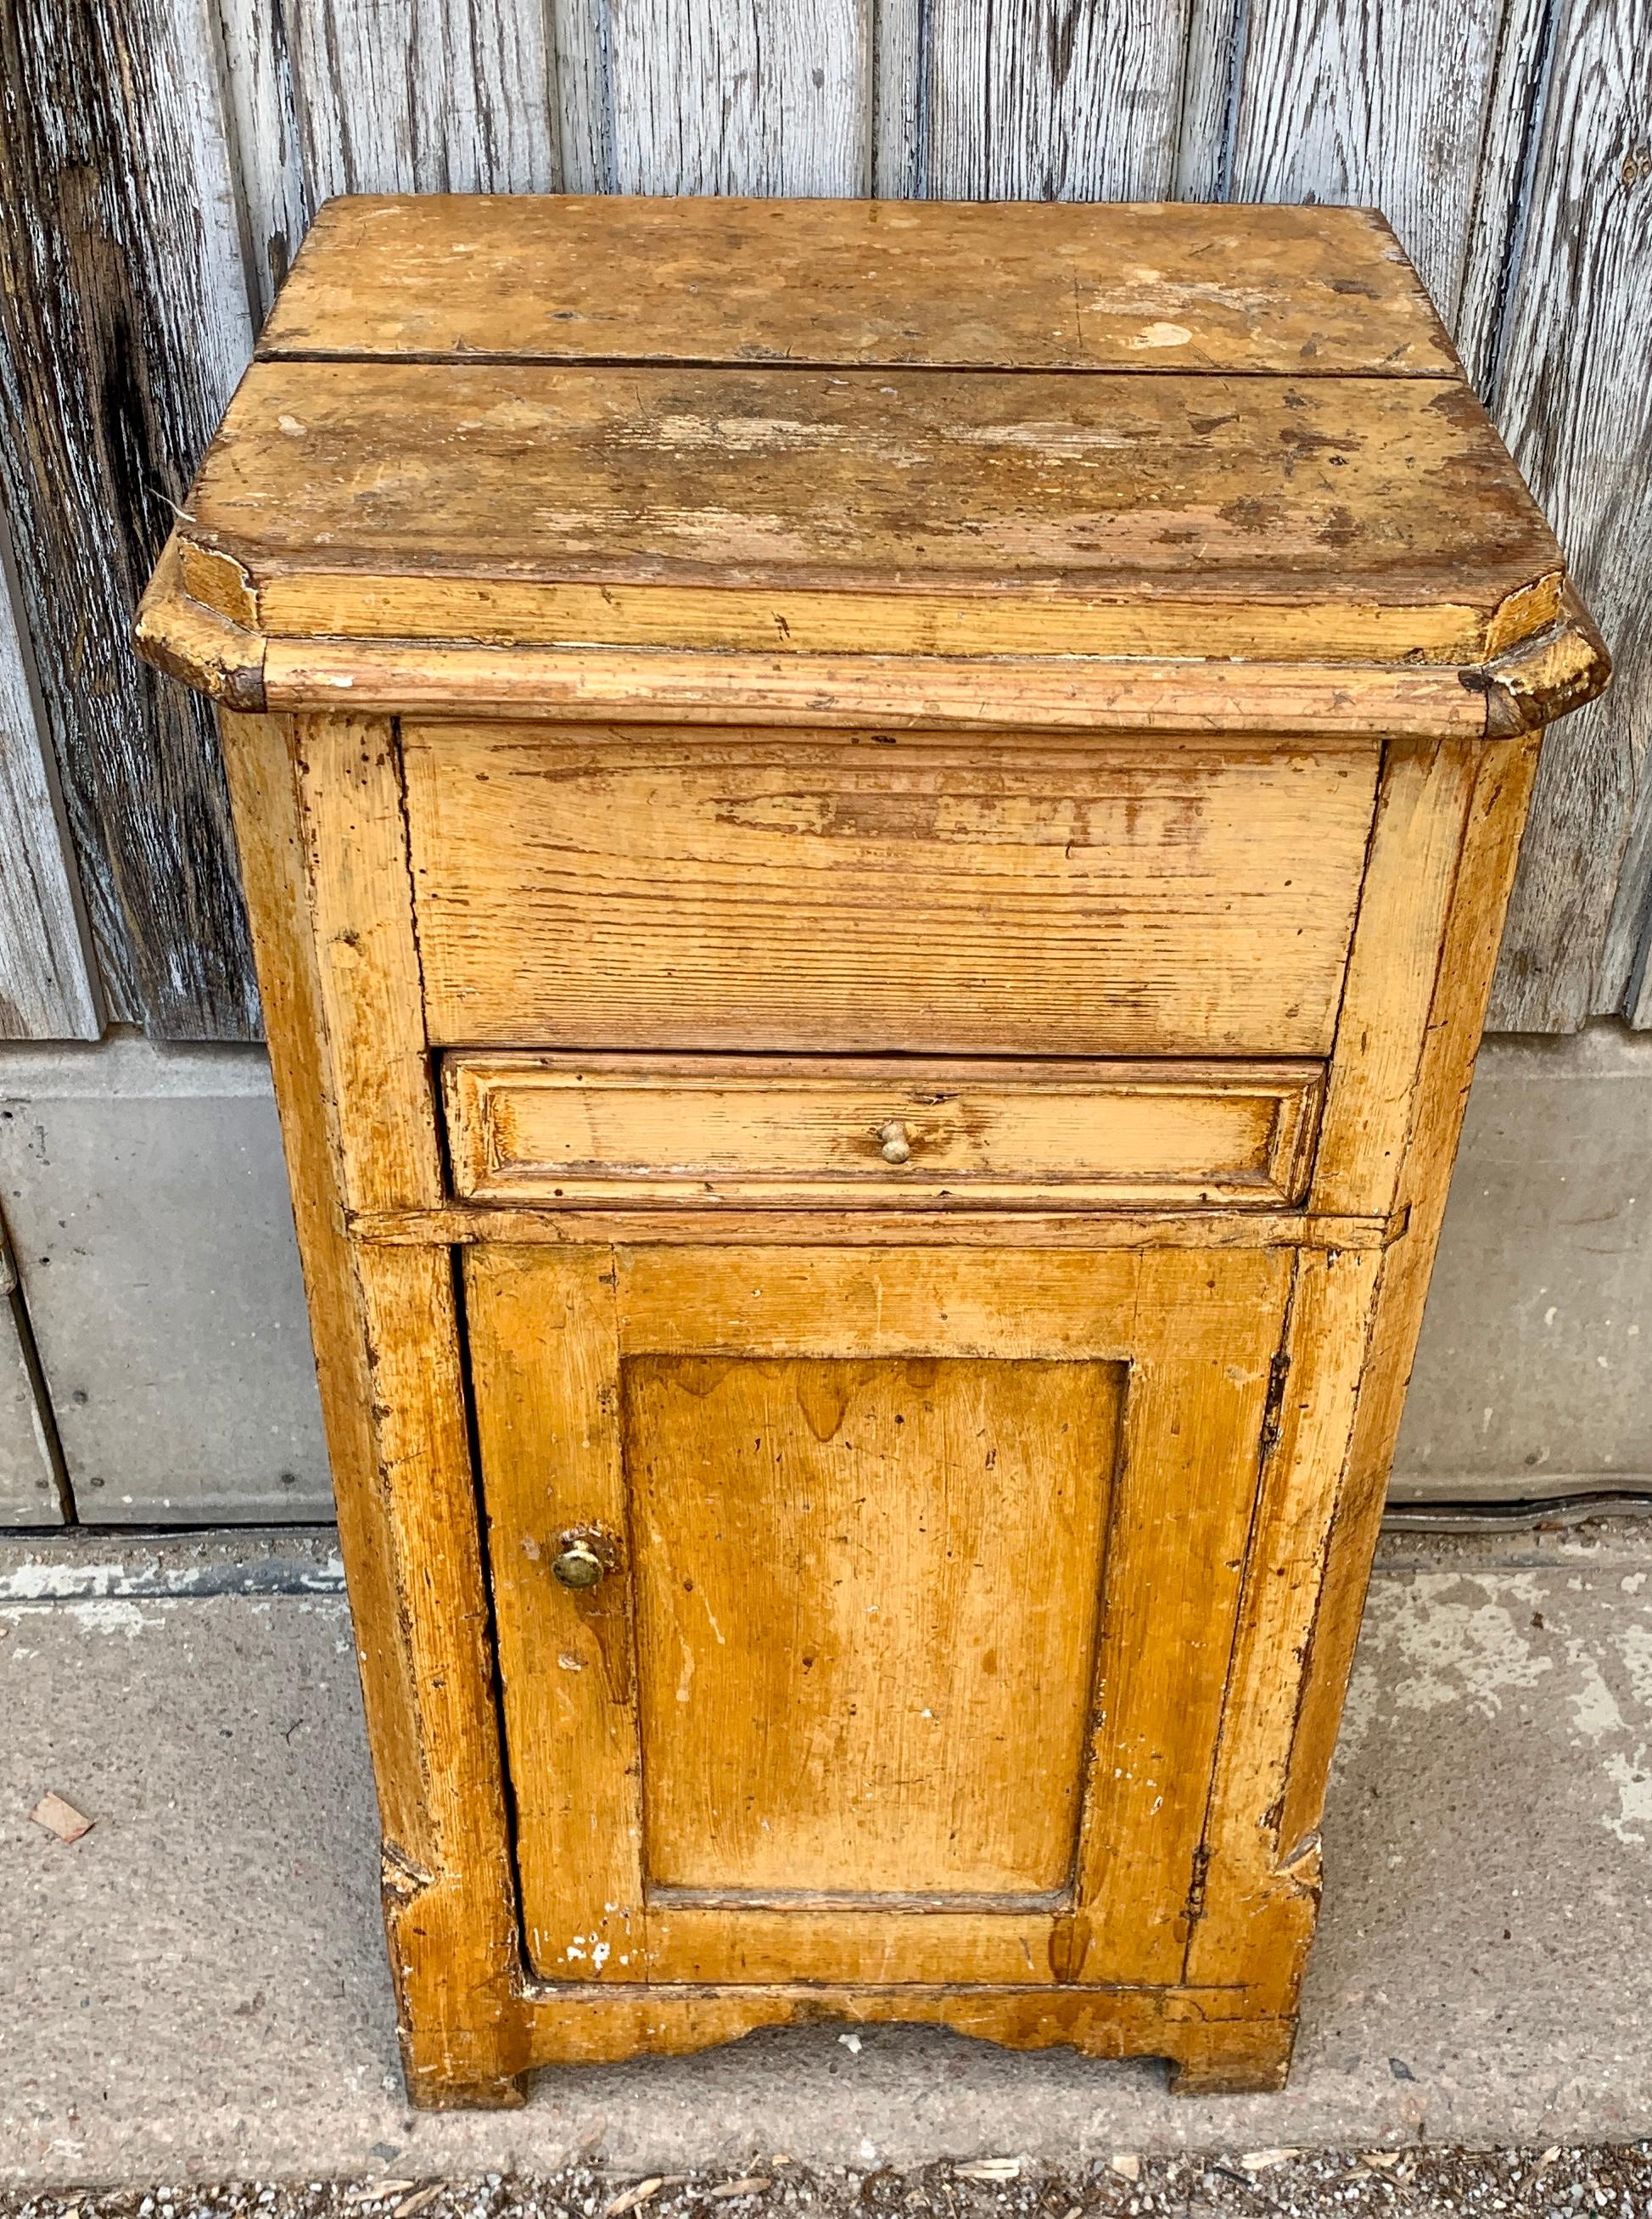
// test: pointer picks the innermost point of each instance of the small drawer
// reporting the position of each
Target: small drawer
(795, 1131)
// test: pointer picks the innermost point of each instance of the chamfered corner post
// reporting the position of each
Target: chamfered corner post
(317, 815)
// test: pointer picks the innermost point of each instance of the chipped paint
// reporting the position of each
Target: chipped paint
(147, 1578)
(1460, 1638)
(1577, 1648)
(1632, 1777)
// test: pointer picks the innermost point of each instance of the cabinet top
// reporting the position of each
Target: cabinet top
(858, 285)
(808, 430)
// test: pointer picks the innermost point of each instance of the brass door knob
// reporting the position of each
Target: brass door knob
(578, 1566)
(896, 1144)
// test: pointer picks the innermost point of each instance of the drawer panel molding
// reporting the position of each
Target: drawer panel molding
(836, 1132)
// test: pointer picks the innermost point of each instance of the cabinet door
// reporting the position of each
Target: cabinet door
(914, 1576)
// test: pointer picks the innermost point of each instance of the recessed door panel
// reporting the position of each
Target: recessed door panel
(865, 1597)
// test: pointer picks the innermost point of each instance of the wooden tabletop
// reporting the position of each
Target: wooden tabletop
(867, 428)
(965, 285)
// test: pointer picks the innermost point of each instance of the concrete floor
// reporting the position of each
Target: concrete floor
(196, 1988)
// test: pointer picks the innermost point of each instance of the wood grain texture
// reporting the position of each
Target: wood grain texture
(1207, 1329)
(772, 479)
(47, 987)
(692, 1940)
(387, 1350)
(911, 1720)
(584, 108)
(267, 155)
(1261, 1885)
(1209, 2052)
(827, 1301)
(123, 327)
(1031, 102)
(1410, 869)
(1520, 83)
(1140, 899)
(367, 961)
(461, 1225)
(1210, 80)
(1575, 405)
(1485, 873)
(545, 1361)
(888, 693)
(1378, 104)
(749, 97)
(422, 96)
(1155, 620)
(1280, 291)
(801, 1132)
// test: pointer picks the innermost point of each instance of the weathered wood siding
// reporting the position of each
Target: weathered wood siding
(124, 323)
(159, 159)
(46, 986)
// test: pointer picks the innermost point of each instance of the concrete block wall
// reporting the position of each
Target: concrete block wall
(146, 1200)
(145, 1193)
(1534, 1374)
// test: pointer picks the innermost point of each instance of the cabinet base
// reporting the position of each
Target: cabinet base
(1209, 2052)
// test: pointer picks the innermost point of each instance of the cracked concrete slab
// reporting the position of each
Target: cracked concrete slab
(197, 1986)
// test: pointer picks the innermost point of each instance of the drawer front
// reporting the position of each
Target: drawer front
(795, 1131)
(875, 893)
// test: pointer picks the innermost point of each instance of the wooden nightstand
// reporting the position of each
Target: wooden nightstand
(877, 836)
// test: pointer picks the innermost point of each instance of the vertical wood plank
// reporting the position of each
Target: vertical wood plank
(900, 99)
(1210, 83)
(423, 95)
(371, 994)
(1377, 104)
(1575, 407)
(1208, 1328)
(1049, 99)
(386, 1344)
(1628, 937)
(764, 97)
(124, 325)
(1262, 1889)
(545, 1358)
(45, 987)
(1422, 807)
(264, 122)
(584, 95)
(1521, 74)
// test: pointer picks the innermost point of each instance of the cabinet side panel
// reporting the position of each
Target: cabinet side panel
(1496, 815)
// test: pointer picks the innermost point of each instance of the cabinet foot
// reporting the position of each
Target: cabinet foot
(1234, 2060)
(434, 2091)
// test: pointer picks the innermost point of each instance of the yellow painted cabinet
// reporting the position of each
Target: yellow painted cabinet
(874, 886)
(865, 1616)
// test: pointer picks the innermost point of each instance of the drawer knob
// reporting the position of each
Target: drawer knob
(896, 1144)
(578, 1566)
